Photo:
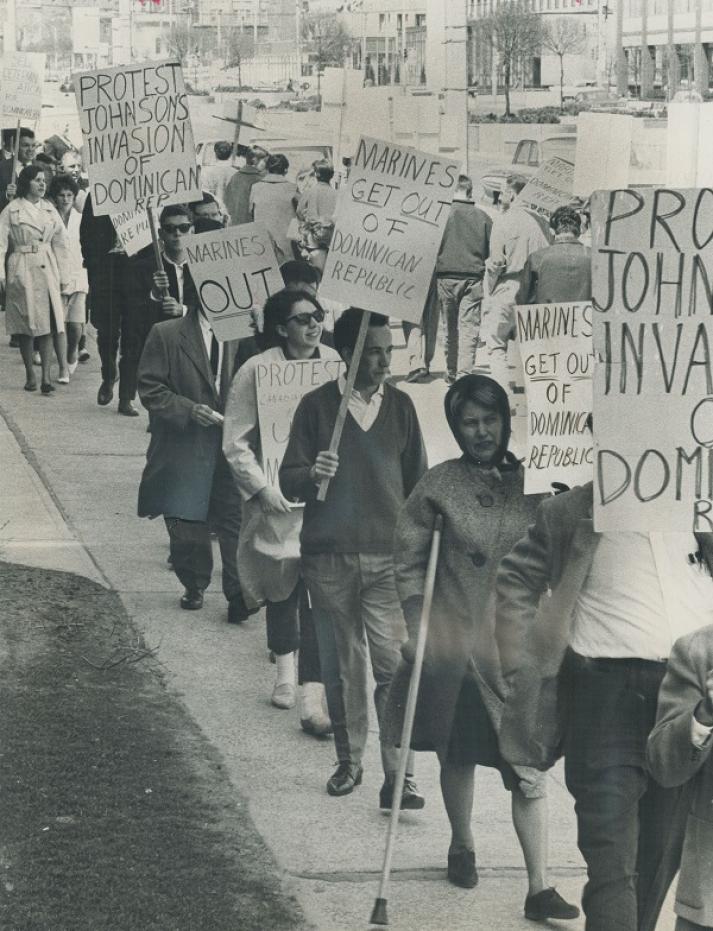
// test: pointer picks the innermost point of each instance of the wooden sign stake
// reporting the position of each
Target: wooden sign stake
(16, 152)
(156, 245)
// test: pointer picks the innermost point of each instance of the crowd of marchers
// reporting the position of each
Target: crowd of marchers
(546, 639)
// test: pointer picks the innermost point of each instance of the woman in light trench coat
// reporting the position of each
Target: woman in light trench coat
(34, 250)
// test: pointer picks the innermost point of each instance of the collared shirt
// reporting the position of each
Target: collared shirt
(642, 593)
(180, 271)
(362, 410)
(207, 333)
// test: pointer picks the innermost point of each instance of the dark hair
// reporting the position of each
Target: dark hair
(277, 309)
(297, 271)
(323, 171)
(175, 210)
(488, 394)
(465, 184)
(223, 150)
(44, 159)
(346, 329)
(206, 225)
(566, 220)
(277, 164)
(516, 182)
(62, 183)
(254, 153)
(8, 135)
(480, 393)
(207, 198)
(28, 173)
(321, 231)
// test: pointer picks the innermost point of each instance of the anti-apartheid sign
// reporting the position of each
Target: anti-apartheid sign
(133, 229)
(234, 270)
(280, 388)
(550, 188)
(555, 342)
(21, 77)
(138, 137)
(389, 223)
(652, 276)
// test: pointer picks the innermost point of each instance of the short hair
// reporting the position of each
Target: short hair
(277, 309)
(28, 173)
(254, 153)
(277, 164)
(73, 152)
(175, 210)
(297, 271)
(321, 231)
(8, 135)
(62, 183)
(465, 184)
(207, 198)
(346, 329)
(223, 150)
(206, 225)
(516, 182)
(43, 158)
(566, 220)
(323, 170)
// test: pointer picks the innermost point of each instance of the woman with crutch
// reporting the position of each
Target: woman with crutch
(485, 511)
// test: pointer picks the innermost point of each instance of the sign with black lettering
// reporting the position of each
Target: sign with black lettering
(133, 229)
(389, 222)
(550, 187)
(652, 271)
(555, 342)
(21, 77)
(234, 270)
(137, 136)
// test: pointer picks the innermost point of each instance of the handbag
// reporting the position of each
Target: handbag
(268, 554)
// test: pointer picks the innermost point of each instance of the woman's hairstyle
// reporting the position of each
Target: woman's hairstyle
(297, 271)
(482, 394)
(277, 164)
(321, 231)
(323, 171)
(566, 220)
(488, 394)
(28, 173)
(62, 183)
(278, 307)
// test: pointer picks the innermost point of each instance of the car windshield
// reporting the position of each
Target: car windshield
(562, 146)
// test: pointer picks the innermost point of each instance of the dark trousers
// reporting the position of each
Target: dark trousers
(290, 627)
(630, 830)
(191, 550)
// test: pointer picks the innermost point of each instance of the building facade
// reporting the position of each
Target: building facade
(389, 40)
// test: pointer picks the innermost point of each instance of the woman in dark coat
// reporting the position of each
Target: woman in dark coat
(485, 513)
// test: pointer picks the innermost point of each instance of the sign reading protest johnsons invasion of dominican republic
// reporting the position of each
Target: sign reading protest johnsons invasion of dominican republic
(137, 135)
(389, 222)
(234, 270)
(652, 270)
(555, 342)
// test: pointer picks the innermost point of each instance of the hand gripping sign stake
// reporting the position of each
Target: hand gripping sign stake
(16, 152)
(156, 246)
(378, 915)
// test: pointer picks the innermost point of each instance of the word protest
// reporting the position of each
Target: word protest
(280, 388)
(653, 383)
(138, 138)
(21, 77)
(234, 270)
(133, 229)
(555, 342)
(550, 187)
(389, 222)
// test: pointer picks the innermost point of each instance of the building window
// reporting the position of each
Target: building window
(158, 46)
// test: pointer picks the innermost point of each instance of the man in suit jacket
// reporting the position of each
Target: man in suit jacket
(25, 154)
(562, 271)
(584, 665)
(679, 753)
(184, 378)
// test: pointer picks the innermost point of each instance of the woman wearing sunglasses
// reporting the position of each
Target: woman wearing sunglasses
(269, 538)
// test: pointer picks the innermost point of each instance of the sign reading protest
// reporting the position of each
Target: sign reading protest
(21, 77)
(133, 229)
(280, 388)
(234, 270)
(550, 187)
(555, 343)
(389, 222)
(653, 382)
(137, 133)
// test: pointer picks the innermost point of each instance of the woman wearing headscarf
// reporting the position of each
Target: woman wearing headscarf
(485, 511)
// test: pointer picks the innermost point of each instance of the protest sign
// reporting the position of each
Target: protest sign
(555, 342)
(389, 222)
(603, 156)
(653, 381)
(689, 137)
(280, 387)
(137, 134)
(21, 77)
(234, 270)
(550, 187)
(133, 229)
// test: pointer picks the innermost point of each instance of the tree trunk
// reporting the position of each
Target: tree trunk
(507, 89)
(561, 83)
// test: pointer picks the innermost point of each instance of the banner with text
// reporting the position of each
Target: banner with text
(550, 188)
(652, 264)
(389, 222)
(133, 229)
(137, 135)
(555, 342)
(21, 77)
(234, 270)
(280, 388)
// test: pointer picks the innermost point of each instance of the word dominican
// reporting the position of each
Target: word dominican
(145, 190)
(373, 251)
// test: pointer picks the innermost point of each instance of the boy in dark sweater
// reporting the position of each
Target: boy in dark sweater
(347, 540)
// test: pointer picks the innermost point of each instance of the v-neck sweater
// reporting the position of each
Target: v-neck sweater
(378, 469)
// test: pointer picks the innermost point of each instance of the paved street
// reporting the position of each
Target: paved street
(70, 473)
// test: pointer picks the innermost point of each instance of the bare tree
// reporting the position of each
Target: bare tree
(563, 37)
(515, 32)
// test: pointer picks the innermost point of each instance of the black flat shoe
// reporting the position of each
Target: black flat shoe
(461, 869)
(345, 778)
(192, 599)
(127, 409)
(31, 386)
(411, 798)
(549, 904)
(46, 387)
(105, 394)
(238, 611)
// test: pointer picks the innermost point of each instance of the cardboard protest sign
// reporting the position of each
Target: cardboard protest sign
(389, 222)
(550, 187)
(689, 137)
(137, 134)
(280, 387)
(234, 270)
(133, 229)
(603, 155)
(21, 77)
(653, 383)
(555, 342)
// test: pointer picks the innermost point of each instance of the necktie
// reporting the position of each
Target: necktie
(214, 354)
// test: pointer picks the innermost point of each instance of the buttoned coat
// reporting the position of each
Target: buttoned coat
(183, 456)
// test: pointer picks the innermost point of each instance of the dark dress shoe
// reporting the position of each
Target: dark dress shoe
(461, 869)
(238, 611)
(192, 599)
(411, 798)
(345, 778)
(46, 387)
(83, 356)
(105, 394)
(549, 904)
(127, 409)
(417, 375)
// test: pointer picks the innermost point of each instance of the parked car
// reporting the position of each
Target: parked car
(300, 153)
(528, 157)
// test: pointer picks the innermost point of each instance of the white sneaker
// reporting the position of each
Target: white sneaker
(72, 366)
(283, 695)
(313, 715)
